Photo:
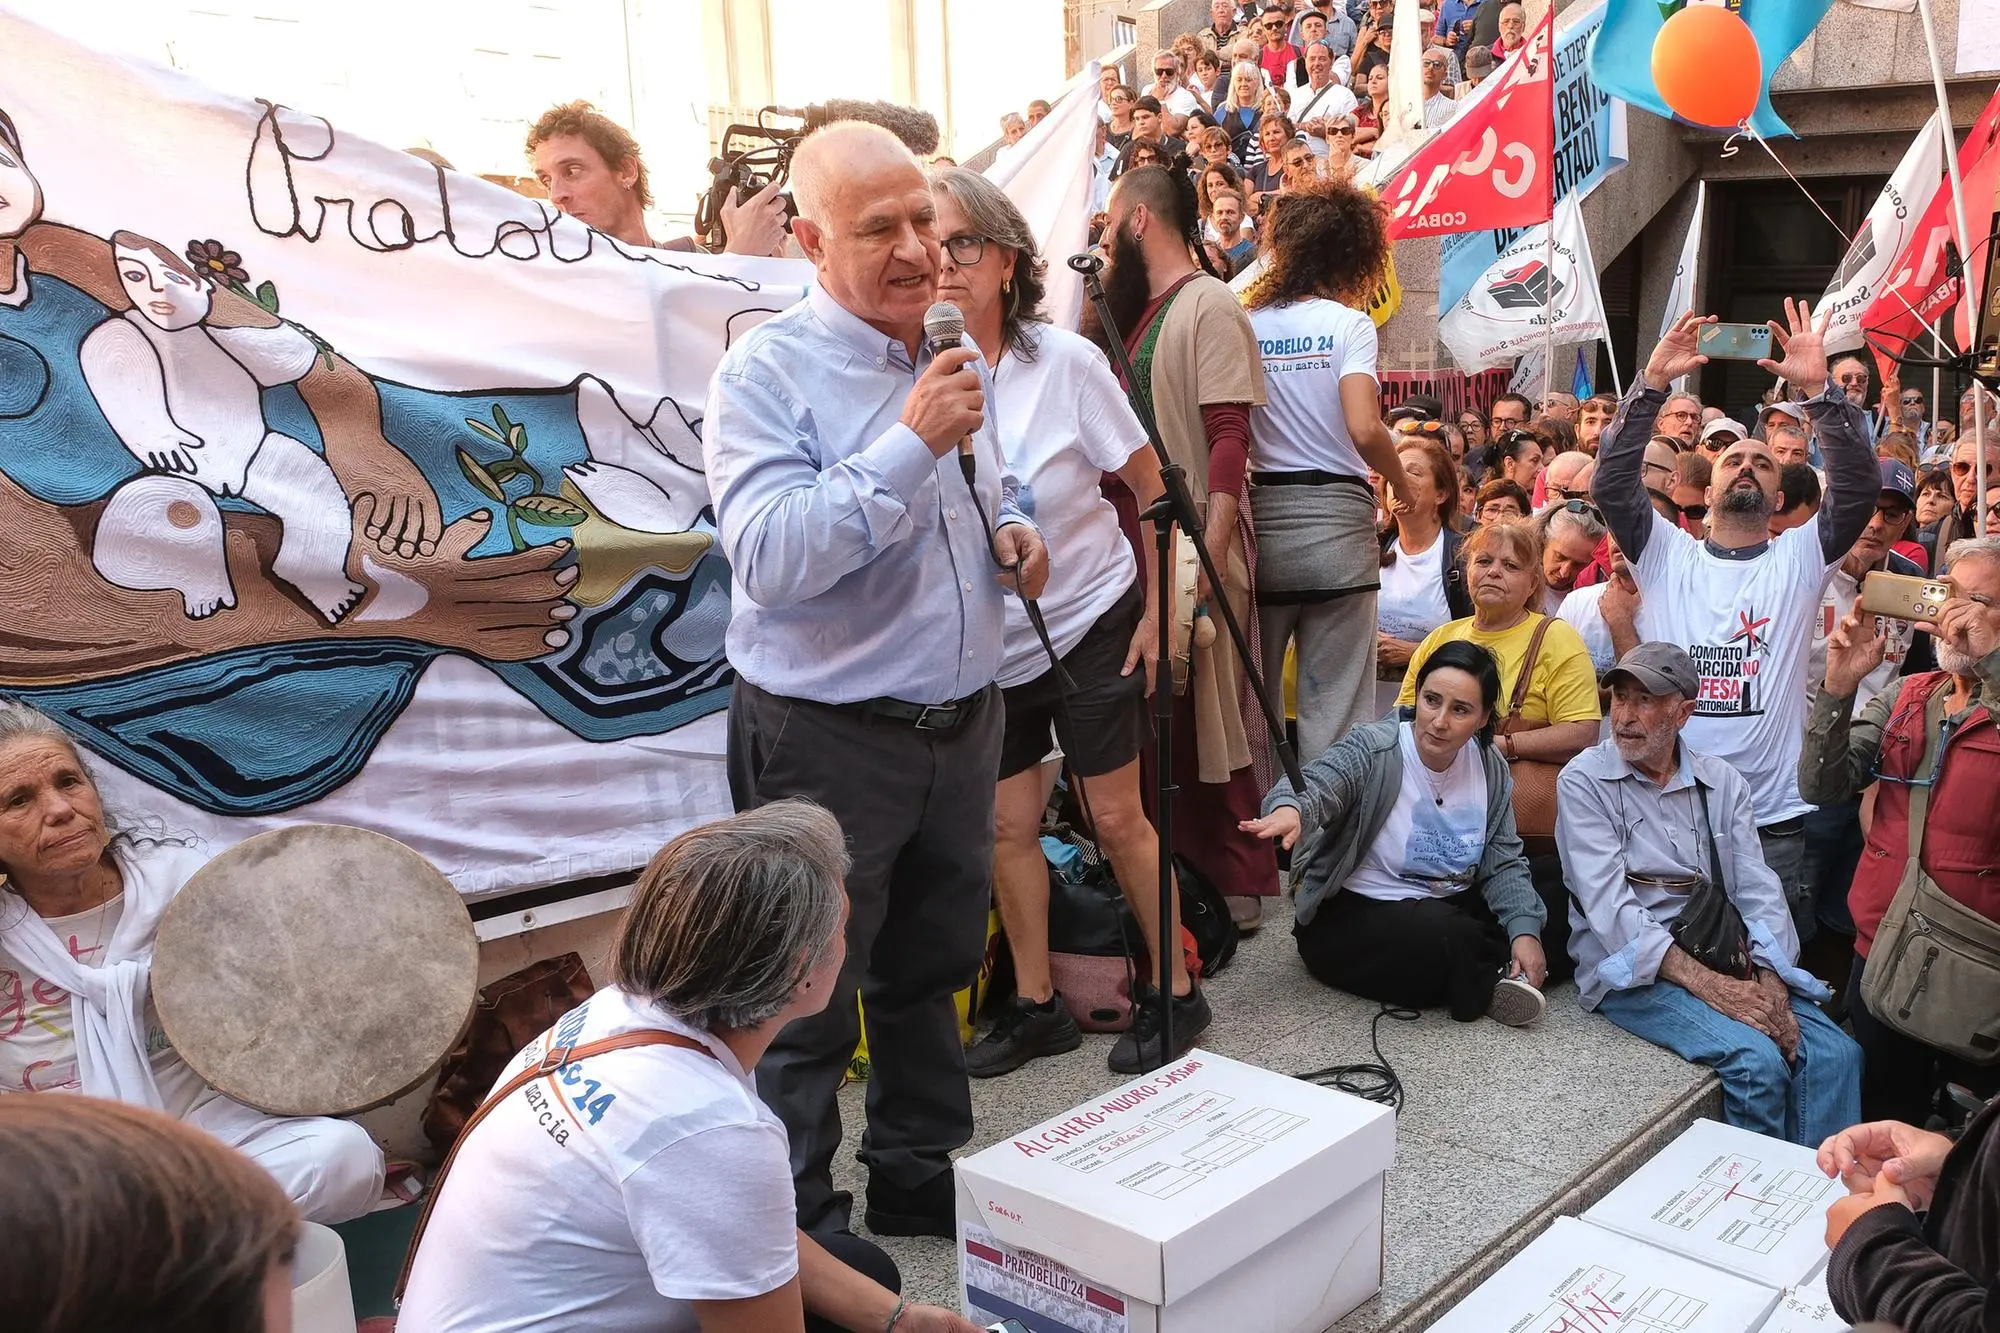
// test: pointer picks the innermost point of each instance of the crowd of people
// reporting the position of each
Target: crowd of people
(1582, 689)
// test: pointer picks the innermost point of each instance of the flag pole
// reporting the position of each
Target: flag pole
(1964, 250)
(1549, 329)
(1611, 355)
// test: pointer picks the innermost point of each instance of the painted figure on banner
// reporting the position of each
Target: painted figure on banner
(209, 518)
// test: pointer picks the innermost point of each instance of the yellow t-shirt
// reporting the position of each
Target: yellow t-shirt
(1564, 685)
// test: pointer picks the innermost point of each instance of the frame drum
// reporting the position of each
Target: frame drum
(315, 970)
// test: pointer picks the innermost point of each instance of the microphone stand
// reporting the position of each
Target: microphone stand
(1175, 507)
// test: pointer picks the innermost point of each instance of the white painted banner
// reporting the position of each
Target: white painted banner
(237, 343)
(1048, 176)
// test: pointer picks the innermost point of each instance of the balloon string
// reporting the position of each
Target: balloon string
(1746, 130)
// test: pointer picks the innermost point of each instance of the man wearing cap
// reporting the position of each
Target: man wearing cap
(1720, 433)
(1779, 413)
(1740, 602)
(1833, 832)
(1644, 823)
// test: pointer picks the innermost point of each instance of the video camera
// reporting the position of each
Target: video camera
(753, 156)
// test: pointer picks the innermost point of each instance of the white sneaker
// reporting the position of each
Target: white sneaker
(1516, 1003)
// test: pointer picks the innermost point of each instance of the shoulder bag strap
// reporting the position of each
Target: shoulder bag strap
(1520, 696)
(1935, 738)
(1708, 829)
(551, 1062)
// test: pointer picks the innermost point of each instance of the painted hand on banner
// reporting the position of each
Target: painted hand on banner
(1677, 354)
(1804, 345)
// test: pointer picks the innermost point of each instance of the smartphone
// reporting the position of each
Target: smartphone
(1903, 596)
(1734, 342)
(1008, 1326)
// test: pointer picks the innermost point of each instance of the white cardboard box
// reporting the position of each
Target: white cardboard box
(1207, 1195)
(1747, 1204)
(1579, 1278)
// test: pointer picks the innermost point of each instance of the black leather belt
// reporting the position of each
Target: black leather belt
(1784, 828)
(1310, 476)
(946, 717)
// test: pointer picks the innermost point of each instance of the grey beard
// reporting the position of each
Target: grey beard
(1956, 662)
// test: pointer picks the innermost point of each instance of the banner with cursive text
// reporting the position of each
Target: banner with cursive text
(339, 487)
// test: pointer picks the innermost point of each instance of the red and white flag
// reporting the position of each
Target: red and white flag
(1491, 167)
(1926, 282)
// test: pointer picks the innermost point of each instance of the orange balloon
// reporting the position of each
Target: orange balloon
(1706, 66)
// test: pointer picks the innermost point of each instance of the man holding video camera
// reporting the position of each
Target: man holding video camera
(1932, 750)
(1739, 602)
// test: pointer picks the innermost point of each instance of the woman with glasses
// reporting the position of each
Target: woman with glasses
(1312, 445)
(1064, 423)
(1267, 177)
(1500, 501)
(1341, 164)
(1119, 127)
(1472, 424)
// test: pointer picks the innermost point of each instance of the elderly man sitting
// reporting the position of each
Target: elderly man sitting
(1646, 828)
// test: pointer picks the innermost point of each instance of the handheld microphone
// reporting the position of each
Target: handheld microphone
(944, 327)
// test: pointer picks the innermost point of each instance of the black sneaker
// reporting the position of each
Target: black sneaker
(1023, 1031)
(931, 1209)
(1138, 1051)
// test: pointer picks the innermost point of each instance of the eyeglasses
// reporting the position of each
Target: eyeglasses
(1166, 71)
(1717, 442)
(1680, 413)
(1660, 467)
(1585, 507)
(965, 251)
(1913, 400)
(1341, 131)
(1408, 426)
(1695, 512)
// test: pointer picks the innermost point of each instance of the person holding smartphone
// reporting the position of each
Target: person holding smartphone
(1741, 603)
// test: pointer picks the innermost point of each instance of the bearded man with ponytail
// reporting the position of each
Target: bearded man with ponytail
(1196, 361)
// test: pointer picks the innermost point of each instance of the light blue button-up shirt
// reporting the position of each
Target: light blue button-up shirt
(861, 569)
(1613, 822)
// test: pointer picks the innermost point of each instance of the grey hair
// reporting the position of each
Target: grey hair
(1784, 428)
(990, 213)
(1675, 397)
(1014, 118)
(1586, 526)
(729, 919)
(1982, 548)
(20, 722)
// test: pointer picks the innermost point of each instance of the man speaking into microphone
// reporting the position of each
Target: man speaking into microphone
(866, 632)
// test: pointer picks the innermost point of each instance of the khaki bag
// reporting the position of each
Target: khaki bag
(1534, 781)
(1934, 971)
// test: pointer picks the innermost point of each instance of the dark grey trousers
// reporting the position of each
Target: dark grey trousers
(917, 808)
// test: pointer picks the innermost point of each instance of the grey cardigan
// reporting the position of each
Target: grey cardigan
(1349, 791)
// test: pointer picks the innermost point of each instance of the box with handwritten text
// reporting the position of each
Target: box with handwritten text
(1209, 1194)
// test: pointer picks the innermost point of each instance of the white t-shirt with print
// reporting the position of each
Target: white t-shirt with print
(1430, 845)
(1579, 610)
(37, 1035)
(1063, 422)
(1411, 602)
(612, 1196)
(1748, 626)
(1308, 347)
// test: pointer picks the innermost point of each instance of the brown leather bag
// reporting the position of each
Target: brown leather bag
(511, 1012)
(552, 1063)
(1534, 781)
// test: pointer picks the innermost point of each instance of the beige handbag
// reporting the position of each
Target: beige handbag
(1534, 781)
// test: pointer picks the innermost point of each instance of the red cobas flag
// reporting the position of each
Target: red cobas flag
(1490, 167)
(1924, 284)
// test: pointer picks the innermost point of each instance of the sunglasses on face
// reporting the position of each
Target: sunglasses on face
(1913, 400)
(1715, 444)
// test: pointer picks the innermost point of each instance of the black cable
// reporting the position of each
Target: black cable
(1376, 1080)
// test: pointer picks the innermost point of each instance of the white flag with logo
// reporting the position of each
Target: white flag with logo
(1531, 287)
(1048, 176)
(1884, 234)
(1680, 296)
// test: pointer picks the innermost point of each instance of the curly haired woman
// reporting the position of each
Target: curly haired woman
(1312, 445)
